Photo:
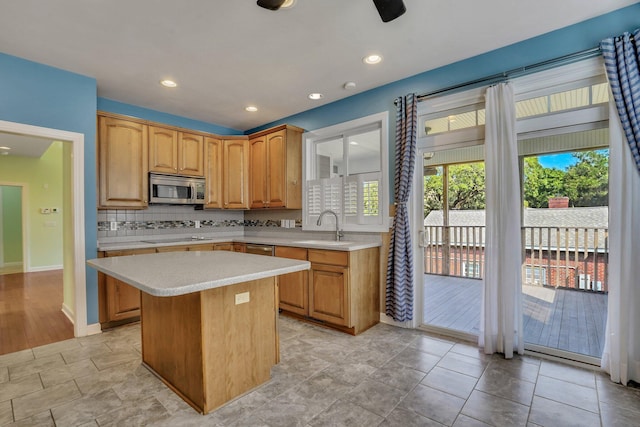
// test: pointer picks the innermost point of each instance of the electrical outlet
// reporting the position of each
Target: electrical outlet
(196, 223)
(242, 298)
(45, 211)
(113, 226)
(283, 223)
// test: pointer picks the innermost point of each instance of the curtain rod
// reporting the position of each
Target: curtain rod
(528, 69)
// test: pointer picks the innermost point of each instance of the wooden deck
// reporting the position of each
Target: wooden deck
(562, 319)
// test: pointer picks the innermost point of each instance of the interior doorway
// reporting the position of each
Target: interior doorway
(75, 305)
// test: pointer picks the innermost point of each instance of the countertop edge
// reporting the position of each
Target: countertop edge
(202, 286)
(299, 243)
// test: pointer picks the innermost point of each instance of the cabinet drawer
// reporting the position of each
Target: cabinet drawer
(291, 253)
(329, 257)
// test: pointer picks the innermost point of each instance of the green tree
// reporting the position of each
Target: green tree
(433, 191)
(466, 187)
(586, 183)
(541, 183)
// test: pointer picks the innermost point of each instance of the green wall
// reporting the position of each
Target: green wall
(11, 206)
(43, 188)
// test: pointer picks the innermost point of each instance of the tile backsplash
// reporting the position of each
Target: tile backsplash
(170, 219)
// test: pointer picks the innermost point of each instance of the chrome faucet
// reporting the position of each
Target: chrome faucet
(339, 233)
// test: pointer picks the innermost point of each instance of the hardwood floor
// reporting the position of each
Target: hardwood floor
(30, 311)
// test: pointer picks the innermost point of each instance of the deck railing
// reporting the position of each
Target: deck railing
(561, 257)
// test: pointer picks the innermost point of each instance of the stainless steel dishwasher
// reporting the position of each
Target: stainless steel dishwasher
(260, 249)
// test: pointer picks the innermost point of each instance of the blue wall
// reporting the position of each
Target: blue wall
(160, 117)
(39, 95)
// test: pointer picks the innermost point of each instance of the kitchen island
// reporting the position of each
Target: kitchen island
(208, 319)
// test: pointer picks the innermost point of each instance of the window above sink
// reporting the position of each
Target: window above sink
(345, 170)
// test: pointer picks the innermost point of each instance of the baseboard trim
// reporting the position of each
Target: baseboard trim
(390, 321)
(12, 264)
(44, 268)
(92, 329)
(68, 312)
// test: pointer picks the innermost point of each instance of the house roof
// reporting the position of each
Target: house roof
(589, 217)
(564, 229)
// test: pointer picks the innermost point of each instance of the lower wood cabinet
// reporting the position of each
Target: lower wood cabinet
(118, 302)
(294, 287)
(341, 290)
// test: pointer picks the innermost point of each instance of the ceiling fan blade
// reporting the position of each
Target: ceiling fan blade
(271, 4)
(389, 9)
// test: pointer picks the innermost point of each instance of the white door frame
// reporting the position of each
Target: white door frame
(77, 202)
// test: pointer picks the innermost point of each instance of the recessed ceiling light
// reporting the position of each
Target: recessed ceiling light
(353, 142)
(5, 148)
(251, 109)
(372, 59)
(316, 96)
(349, 85)
(287, 4)
(168, 83)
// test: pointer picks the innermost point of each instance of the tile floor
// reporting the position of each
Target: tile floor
(383, 377)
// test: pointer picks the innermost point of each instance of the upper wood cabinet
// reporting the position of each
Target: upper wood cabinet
(190, 154)
(227, 173)
(276, 168)
(174, 152)
(122, 164)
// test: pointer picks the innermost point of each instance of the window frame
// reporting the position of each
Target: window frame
(344, 130)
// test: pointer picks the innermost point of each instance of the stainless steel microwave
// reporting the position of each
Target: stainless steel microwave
(176, 190)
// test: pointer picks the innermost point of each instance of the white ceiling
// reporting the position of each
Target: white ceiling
(226, 55)
(23, 145)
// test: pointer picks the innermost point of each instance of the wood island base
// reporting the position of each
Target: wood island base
(209, 346)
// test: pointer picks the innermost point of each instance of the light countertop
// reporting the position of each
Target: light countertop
(301, 242)
(179, 273)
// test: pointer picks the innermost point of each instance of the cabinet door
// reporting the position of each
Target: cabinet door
(235, 179)
(124, 300)
(239, 247)
(163, 150)
(122, 163)
(276, 170)
(259, 174)
(190, 154)
(294, 287)
(329, 294)
(213, 172)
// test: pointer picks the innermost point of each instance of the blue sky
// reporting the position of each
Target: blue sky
(559, 161)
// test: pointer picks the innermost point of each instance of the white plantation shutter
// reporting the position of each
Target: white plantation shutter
(332, 189)
(314, 198)
(351, 197)
(361, 199)
(323, 194)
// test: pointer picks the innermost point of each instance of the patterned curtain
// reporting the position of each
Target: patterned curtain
(621, 60)
(399, 295)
